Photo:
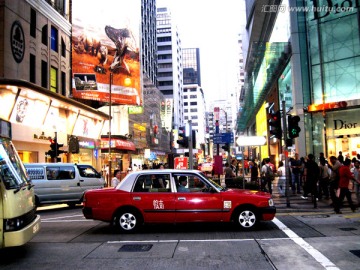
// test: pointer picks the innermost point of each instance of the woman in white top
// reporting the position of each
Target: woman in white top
(116, 180)
(281, 178)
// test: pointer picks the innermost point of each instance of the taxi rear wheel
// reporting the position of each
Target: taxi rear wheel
(128, 221)
(246, 218)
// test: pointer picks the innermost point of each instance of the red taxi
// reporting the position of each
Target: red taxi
(175, 196)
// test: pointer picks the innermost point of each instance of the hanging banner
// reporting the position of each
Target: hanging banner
(105, 40)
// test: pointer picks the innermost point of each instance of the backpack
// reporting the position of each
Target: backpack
(269, 174)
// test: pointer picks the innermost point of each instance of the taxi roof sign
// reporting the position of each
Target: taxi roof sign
(5, 129)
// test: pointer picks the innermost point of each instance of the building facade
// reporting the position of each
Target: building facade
(35, 84)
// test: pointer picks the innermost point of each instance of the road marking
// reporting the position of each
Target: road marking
(318, 256)
(61, 217)
(73, 220)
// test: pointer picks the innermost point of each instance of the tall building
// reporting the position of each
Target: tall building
(194, 100)
(170, 69)
(146, 128)
(35, 75)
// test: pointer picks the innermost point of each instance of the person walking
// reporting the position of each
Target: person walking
(229, 175)
(117, 178)
(334, 179)
(267, 175)
(324, 180)
(281, 179)
(254, 171)
(345, 176)
(357, 181)
(312, 178)
(295, 174)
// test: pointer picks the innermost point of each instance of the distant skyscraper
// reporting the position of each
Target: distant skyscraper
(170, 69)
(191, 66)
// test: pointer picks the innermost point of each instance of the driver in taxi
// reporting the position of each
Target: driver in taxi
(183, 182)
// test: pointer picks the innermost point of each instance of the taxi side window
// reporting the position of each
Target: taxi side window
(160, 183)
(141, 184)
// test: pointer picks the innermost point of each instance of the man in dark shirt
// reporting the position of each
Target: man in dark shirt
(312, 172)
(295, 165)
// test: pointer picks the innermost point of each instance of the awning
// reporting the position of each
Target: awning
(117, 144)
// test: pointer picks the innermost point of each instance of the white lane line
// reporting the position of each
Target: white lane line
(72, 220)
(204, 240)
(319, 257)
(61, 217)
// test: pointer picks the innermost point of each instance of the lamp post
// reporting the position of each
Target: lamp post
(110, 86)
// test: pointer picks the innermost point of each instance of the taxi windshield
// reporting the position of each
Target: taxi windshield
(12, 171)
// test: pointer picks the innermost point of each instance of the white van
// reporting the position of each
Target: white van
(62, 182)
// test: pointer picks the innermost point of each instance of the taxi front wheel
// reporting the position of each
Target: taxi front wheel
(128, 221)
(246, 218)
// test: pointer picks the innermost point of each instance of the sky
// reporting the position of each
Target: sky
(214, 27)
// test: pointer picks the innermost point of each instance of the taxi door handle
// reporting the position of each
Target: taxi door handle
(181, 199)
(137, 198)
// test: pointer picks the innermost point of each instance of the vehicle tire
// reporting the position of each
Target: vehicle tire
(128, 220)
(246, 218)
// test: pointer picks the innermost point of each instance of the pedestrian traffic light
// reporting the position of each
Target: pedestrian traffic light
(183, 140)
(293, 126)
(275, 124)
(226, 147)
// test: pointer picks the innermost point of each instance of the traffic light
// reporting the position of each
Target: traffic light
(183, 140)
(293, 126)
(226, 147)
(58, 151)
(275, 124)
(52, 151)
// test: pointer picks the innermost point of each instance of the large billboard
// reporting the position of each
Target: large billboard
(105, 45)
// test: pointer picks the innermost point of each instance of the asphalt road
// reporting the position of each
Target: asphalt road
(300, 240)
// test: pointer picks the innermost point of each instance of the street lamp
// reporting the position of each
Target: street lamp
(110, 86)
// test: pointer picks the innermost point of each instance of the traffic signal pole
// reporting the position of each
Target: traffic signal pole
(191, 159)
(287, 175)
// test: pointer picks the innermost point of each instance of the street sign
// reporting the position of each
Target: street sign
(220, 138)
(181, 163)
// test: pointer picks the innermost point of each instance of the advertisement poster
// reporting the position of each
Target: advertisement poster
(105, 45)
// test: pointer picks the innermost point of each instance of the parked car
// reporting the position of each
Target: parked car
(62, 182)
(155, 196)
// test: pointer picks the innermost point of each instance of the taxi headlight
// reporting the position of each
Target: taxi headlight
(271, 202)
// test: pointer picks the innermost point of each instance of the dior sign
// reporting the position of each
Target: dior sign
(342, 124)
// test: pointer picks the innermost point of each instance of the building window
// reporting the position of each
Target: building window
(63, 48)
(193, 103)
(54, 39)
(33, 23)
(32, 68)
(44, 35)
(63, 83)
(53, 80)
(44, 74)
